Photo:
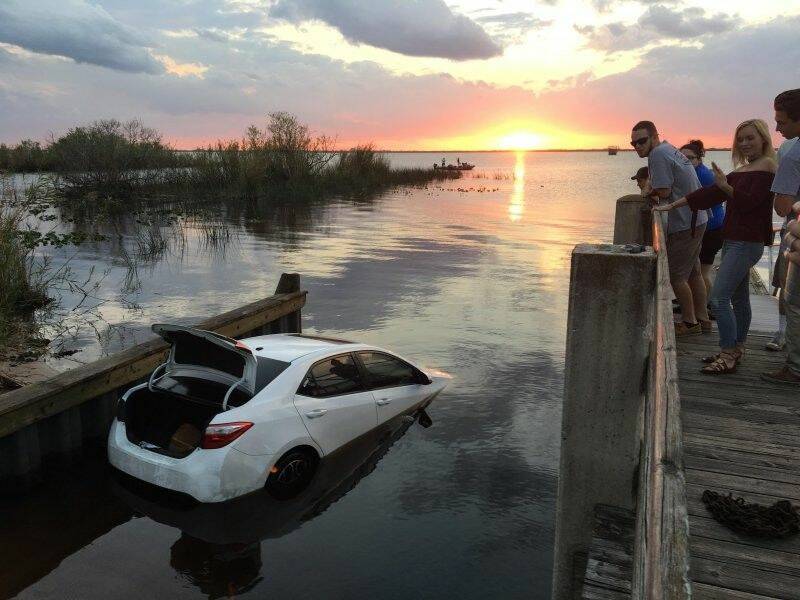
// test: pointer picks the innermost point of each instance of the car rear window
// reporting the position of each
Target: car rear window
(268, 369)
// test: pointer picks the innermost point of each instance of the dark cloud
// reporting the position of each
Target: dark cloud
(420, 28)
(75, 29)
(212, 34)
(657, 24)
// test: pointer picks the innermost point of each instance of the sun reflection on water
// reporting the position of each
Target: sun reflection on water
(517, 204)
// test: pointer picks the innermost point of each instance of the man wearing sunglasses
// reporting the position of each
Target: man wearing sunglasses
(672, 177)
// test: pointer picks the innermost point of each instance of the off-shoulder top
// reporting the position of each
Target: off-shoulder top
(748, 217)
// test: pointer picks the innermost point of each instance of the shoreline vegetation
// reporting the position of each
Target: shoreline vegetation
(111, 181)
(109, 156)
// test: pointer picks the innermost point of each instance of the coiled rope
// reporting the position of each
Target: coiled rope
(777, 521)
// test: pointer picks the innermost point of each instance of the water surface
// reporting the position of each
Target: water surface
(469, 276)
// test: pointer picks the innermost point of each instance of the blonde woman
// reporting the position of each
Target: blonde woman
(746, 230)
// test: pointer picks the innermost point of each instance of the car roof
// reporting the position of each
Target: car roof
(291, 346)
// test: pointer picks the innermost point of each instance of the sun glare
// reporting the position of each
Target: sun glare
(521, 140)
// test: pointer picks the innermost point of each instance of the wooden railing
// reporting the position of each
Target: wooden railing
(661, 552)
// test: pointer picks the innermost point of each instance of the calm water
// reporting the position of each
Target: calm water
(469, 276)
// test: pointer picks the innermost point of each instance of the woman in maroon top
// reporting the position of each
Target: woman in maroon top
(746, 230)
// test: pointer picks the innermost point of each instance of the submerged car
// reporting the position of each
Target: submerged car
(222, 417)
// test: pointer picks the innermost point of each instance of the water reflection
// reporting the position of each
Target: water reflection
(218, 549)
(517, 205)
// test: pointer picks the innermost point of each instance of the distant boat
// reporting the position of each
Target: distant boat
(612, 150)
(461, 166)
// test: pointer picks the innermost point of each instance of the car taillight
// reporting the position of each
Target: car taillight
(222, 434)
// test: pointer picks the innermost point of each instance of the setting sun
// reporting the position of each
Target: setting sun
(521, 140)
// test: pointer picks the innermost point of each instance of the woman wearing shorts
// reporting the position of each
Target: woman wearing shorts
(747, 228)
(695, 150)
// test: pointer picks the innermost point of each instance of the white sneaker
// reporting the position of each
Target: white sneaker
(777, 343)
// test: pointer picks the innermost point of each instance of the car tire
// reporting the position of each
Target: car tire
(292, 474)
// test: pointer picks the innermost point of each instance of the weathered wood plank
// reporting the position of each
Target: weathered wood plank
(706, 527)
(661, 555)
(745, 484)
(712, 424)
(759, 466)
(764, 558)
(609, 562)
(736, 444)
(746, 578)
(704, 591)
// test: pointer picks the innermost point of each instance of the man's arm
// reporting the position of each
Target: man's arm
(787, 182)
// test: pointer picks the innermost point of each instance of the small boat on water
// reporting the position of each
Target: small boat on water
(612, 150)
(459, 166)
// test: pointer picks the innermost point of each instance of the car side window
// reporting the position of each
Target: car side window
(332, 377)
(387, 371)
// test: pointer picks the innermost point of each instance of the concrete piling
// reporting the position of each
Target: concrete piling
(633, 221)
(608, 337)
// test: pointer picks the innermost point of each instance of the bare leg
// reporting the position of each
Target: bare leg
(699, 294)
(706, 272)
(684, 295)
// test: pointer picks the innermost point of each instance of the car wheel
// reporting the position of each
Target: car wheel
(292, 474)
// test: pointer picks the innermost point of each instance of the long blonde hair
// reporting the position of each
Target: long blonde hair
(766, 141)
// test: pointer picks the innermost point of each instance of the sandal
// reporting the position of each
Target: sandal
(739, 353)
(725, 363)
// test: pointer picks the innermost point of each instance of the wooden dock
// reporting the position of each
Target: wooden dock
(732, 434)
(740, 436)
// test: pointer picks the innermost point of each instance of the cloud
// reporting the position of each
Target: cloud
(413, 28)
(689, 91)
(606, 5)
(75, 29)
(509, 28)
(657, 24)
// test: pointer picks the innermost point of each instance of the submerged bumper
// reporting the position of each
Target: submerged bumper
(206, 475)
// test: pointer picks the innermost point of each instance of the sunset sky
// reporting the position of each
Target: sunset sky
(416, 74)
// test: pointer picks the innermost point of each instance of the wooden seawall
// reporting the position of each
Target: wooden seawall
(642, 438)
(59, 415)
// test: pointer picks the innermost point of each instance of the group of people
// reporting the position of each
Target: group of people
(708, 211)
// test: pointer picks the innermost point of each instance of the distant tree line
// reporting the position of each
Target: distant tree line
(102, 144)
(116, 158)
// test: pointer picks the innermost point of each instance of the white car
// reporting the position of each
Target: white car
(222, 418)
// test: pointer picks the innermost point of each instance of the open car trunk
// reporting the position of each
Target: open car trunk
(204, 375)
(172, 417)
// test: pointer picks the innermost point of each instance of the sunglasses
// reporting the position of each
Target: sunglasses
(641, 141)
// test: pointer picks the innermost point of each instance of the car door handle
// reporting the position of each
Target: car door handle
(317, 412)
(384, 401)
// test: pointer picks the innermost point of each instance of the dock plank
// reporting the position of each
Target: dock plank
(740, 436)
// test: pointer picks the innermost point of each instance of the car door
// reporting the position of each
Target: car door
(394, 383)
(334, 403)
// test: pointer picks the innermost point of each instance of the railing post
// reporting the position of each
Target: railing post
(633, 221)
(291, 323)
(608, 337)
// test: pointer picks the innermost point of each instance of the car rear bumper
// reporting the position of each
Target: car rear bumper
(206, 475)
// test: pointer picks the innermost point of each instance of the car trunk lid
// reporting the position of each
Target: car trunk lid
(204, 352)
